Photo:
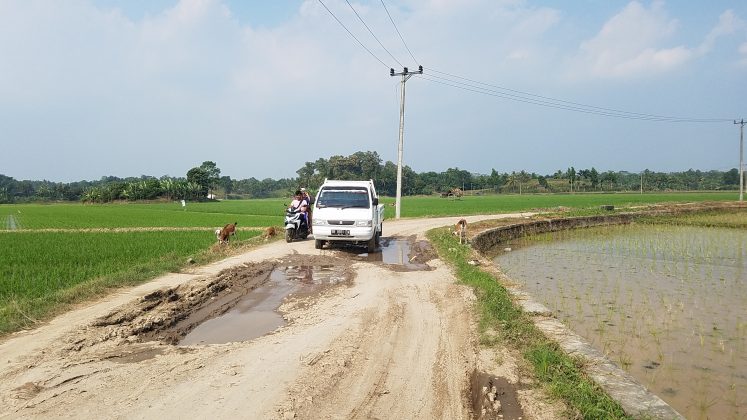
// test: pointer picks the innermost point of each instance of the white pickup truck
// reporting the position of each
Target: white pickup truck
(348, 212)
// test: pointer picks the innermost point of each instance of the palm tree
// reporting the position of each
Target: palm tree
(512, 181)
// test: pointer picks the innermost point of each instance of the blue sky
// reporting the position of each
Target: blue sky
(90, 88)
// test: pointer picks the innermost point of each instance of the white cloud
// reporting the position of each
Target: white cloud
(728, 23)
(634, 43)
(630, 45)
(743, 55)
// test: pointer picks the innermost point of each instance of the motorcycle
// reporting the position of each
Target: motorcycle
(295, 226)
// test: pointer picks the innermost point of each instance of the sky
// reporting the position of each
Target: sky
(93, 88)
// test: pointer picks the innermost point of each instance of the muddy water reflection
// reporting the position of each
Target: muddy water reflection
(256, 314)
(399, 252)
(668, 304)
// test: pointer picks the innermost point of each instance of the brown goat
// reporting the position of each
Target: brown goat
(225, 233)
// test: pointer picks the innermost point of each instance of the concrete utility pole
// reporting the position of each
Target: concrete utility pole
(406, 74)
(741, 158)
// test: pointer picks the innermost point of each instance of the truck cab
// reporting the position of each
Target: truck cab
(348, 212)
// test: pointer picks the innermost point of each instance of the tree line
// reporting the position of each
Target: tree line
(205, 182)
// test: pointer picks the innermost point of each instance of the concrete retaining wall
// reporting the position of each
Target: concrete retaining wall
(634, 398)
(484, 241)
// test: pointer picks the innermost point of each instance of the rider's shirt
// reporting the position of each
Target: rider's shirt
(298, 204)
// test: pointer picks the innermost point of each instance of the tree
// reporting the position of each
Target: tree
(543, 183)
(571, 175)
(199, 177)
(731, 177)
(213, 174)
(523, 178)
(512, 181)
(495, 179)
(593, 177)
(610, 178)
(306, 173)
(226, 183)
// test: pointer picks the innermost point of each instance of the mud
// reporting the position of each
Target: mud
(256, 313)
(169, 315)
(494, 397)
(398, 254)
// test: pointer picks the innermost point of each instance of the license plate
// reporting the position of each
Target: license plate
(340, 232)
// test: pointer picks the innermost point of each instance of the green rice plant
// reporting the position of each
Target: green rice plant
(674, 283)
(110, 216)
(727, 218)
(41, 272)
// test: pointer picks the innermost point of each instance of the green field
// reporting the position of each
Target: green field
(492, 204)
(42, 271)
(269, 212)
(249, 213)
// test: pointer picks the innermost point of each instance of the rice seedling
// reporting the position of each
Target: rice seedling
(675, 294)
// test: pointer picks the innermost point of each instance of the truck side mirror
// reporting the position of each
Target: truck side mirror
(376, 201)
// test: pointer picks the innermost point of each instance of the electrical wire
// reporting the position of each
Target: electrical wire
(568, 106)
(534, 99)
(372, 34)
(398, 33)
(351, 34)
(560, 101)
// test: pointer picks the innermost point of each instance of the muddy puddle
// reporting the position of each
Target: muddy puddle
(406, 254)
(238, 304)
(494, 398)
(256, 314)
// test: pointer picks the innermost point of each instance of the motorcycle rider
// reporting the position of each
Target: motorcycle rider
(300, 205)
(308, 199)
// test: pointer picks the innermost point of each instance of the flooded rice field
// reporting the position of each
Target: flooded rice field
(667, 303)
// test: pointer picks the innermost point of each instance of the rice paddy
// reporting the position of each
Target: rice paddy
(53, 255)
(666, 302)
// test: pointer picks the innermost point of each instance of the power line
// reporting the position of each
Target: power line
(398, 33)
(490, 92)
(351, 34)
(545, 101)
(372, 34)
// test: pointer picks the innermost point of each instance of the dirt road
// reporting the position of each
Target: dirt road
(381, 341)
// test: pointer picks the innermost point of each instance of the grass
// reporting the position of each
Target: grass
(562, 375)
(41, 273)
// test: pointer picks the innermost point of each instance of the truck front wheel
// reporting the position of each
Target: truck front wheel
(318, 243)
(371, 245)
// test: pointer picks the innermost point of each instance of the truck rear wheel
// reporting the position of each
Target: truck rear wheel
(378, 238)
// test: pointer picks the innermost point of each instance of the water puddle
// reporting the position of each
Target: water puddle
(494, 398)
(401, 253)
(255, 314)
